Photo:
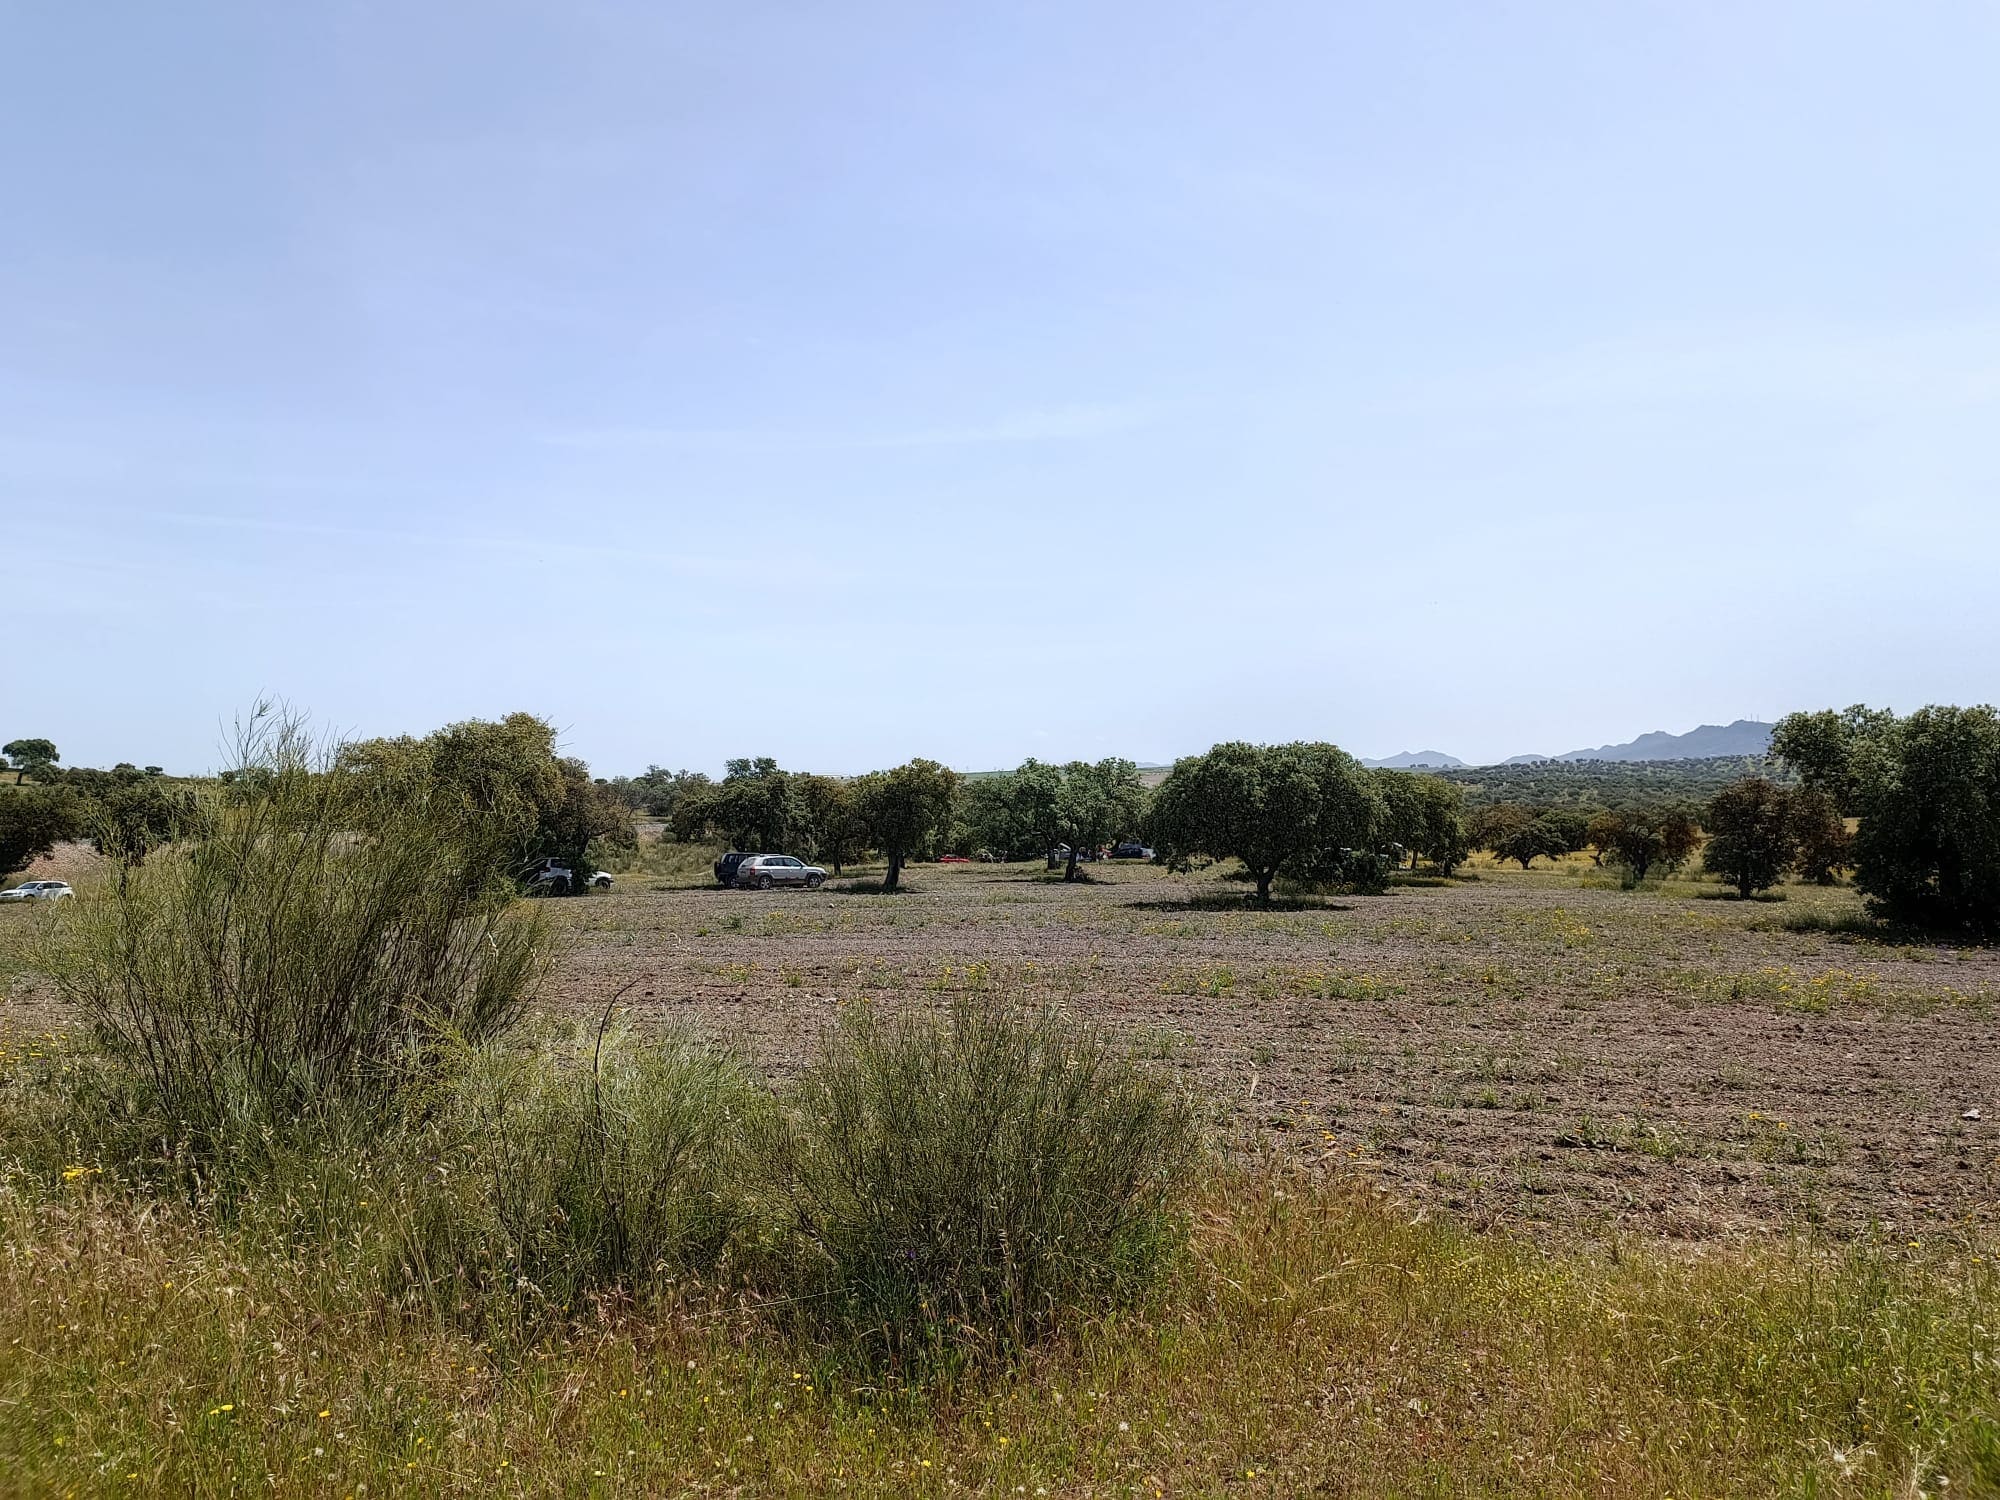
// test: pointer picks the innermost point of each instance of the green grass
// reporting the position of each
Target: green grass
(1312, 1336)
(1313, 1339)
(655, 863)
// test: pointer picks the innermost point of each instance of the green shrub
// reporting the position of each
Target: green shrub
(311, 947)
(960, 1183)
(576, 1164)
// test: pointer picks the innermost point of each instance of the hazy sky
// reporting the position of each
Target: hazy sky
(843, 382)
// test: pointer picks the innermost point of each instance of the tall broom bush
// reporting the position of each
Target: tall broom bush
(305, 953)
(961, 1184)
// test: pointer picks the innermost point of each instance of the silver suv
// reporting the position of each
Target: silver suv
(39, 890)
(762, 871)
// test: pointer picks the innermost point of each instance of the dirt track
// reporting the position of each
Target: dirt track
(1519, 1049)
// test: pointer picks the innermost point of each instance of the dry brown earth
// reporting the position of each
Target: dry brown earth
(1535, 1049)
(1532, 1049)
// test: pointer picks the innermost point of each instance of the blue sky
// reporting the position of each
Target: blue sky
(846, 382)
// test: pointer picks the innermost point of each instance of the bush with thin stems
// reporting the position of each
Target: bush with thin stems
(960, 1184)
(309, 947)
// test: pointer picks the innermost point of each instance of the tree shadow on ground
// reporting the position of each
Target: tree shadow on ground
(868, 888)
(1245, 902)
(1861, 928)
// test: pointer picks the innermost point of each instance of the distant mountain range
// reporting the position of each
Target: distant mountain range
(1744, 737)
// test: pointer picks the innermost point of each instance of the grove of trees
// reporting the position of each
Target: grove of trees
(1593, 786)
(1037, 808)
(125, 810)
(1910, 803)
(1925, 790)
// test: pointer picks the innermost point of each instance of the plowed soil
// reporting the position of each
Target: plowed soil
(1535, 1049)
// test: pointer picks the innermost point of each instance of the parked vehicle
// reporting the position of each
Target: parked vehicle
(954, 859)
(551, 877)
(725, 867)
(762, 871)
(1130, 849)
(39, 890)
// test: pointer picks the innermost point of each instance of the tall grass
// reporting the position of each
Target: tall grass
(313, 946)
(1315, 1338)
(580, 1163)
(961, 1183)
(667, 860)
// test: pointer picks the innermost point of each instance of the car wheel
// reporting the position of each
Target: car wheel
(812, 882)
(763, 882)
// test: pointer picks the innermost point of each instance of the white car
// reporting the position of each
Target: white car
(39, 890)
(551, 877)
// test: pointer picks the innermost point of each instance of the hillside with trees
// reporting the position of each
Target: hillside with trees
(1607, 784)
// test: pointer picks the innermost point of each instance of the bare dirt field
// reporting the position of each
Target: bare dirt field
(1534, 1049)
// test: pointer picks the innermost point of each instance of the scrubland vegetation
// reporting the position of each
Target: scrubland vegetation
(327, 1162)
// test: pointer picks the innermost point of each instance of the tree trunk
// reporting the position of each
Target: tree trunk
(895, 877)
(1264, 886)
(1069, 873)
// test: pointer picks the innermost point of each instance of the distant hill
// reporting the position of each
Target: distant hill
(1744, 737)
(1592, 784)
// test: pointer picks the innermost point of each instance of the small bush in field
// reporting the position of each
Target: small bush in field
(310, 947)
(959, 1183)
(581, 1164)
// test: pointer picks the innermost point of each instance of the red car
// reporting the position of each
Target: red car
(954, 859)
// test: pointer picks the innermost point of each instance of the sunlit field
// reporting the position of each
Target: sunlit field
(1529, 1048)
(1522, 1183)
